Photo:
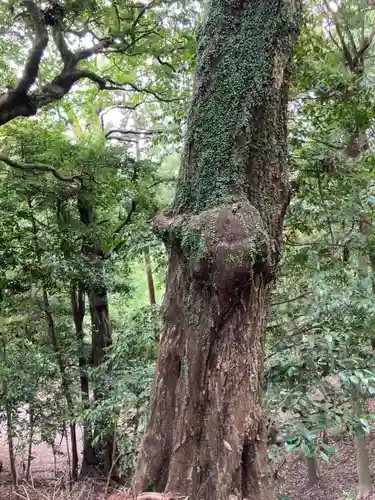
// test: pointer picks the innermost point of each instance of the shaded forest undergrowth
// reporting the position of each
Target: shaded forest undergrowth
(337, 478)
(49, 473)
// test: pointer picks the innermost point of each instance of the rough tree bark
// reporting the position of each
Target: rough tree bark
(205, 436)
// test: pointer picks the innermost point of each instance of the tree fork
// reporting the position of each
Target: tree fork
(206, 434)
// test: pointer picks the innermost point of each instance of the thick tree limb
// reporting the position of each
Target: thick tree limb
(31, 69)
(23, 100)
(38, 167)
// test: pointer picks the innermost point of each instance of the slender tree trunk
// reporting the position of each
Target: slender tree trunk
(358, 144)
(12, 455)
(205, 436)
(53, 337)
(149, 276)
(65, 384)
(97, 460)
(312, 470)
(101, 341)
(9, 422)
(362, 455)
(361, 451)
(78, 311)
(30, 445)
(363, 467)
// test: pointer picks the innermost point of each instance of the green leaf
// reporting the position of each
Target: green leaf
(328, 449)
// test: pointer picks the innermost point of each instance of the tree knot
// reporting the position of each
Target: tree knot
(222, 246)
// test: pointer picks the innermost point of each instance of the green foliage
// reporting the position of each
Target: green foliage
(320, 328)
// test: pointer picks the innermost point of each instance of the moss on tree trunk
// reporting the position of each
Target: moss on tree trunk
(206, 434)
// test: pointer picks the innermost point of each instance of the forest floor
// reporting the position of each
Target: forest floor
(49, 473)
(337, 478)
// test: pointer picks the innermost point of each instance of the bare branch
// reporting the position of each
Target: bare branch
(141, 13)
(287, 301)
(38, 167)
(134, 132)
(130, 107)
(139, 16)
(31, 69)
(365, 45)
(166, 180)
(120, 228)
(91, 51)
(120, 85)
(347, 54)
(333, 38)
(165, 63)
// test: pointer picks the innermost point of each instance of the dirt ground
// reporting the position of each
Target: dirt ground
(337, 479)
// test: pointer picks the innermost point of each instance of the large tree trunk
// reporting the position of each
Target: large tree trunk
(205, 436)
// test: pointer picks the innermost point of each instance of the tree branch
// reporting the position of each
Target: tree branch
(38, 167)
(60, 42)
(365, 45)
(120, 85)
(23, 100)
(347, 54)
(165, 63)
(130, 107)
(162, 181)
(31, 69)
(287, 301)
(133, 132)
(123, 224)
(91, 51)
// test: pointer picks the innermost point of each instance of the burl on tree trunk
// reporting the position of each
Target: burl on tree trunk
(205, 436)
